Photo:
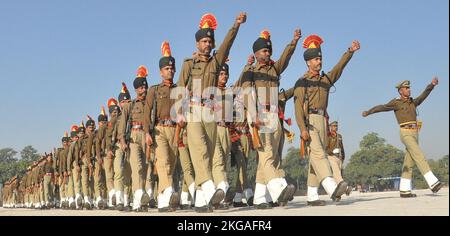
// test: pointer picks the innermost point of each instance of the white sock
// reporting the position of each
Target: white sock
(260, 194)
(237, 197)
(329, 184)
(430, 178)
(405, 185)
(313, 194)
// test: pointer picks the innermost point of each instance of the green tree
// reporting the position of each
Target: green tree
(374, 160)
(296, 170)
(7, 164)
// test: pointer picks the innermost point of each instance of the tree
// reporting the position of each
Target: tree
(374, 160)
(29, 154)
(7, 164)
(296, 170)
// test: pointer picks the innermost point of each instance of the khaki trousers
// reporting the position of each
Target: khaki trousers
(137, 160)
(48, 189)
(221, 154)
(319, 166)
(413, 155)
(165, 153)
(186, 163)
(122, 171)
(241, 151)
(202, 141)
(109, 173)
(336, 167)
(268, 155)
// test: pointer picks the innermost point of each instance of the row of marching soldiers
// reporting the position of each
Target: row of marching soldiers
(130, 162)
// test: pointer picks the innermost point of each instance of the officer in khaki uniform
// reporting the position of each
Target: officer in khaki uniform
(159, 121)
(188, 187)
(103, 165)
(224, 118)
(133, 117)
(48, 179)
(263, 81)
(122, 167)
(196, 75)
(311, 101)
(405, 111)
(83, 162)
(73, 174)
(110, 147)
(62, 169)
(335, 151)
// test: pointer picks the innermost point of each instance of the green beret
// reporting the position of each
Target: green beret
(334, 123)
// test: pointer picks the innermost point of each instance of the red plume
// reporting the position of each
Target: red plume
(165, 49)
(142, 72)
(74, 128)
(208, 21)
(81, 125)
(124, 88)
(312, 41)
(111, 102)
(288, 121)
(265, 34)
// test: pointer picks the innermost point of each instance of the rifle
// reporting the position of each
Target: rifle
(256, 141)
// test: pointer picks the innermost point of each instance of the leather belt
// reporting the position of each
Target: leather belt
(316, 111)
(166, 123)
(409, 126)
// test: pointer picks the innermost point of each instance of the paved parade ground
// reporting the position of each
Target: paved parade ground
(357, 204)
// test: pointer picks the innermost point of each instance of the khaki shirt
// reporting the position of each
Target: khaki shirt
(71, 155)
(137, 115)
(405, 110)
(335, 141)
(317, 88)
(63, 159)
(266, 76)
(206, 71)
(163, 104)
(100, 141)
(110, 127)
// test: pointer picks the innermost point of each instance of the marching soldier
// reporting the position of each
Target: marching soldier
(335, 151)
(133, 137)
(48, 180)
(103, 166)
(264, 77)
(62, 168)
(405, 111)
(159, 121)
(122, 168)
(311, 101)
(73, 169)
(110, 147)
(197, 74)
(188, 187)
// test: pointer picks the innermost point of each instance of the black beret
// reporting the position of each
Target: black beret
(166, 61)
(312, 53)
(81, 129)
(203, 33)
(261, 43)
(124, 96)
(102, 117)
(114, 108)
(73, 134)
(65, 139)
(140, 81)
(90, 123)
(225, 67)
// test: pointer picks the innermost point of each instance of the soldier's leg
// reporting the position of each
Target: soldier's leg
(186, 165)
(98, 177)
(241, 178)
(336, 165)
(109, 179)
(246, 150)
(165, 164)
(407, 170)
(85, 183)
(318, 157)
(410, 139)
(200, 157)
(185, 202)
(47, 189)
(137, 162)
(221, 153)
(119, 166)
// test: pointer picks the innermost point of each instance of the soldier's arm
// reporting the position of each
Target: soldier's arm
(418, 100)
(299, 100)
(284, 59)
(224, 49)
(123, 122)
(148, 107)
(289, 93)
(69, 158)
(98, 142)
(337, 70)
(392, 105)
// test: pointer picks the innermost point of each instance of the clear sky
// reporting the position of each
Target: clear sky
(61, 60)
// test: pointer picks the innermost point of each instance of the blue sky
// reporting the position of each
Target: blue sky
(61, 60)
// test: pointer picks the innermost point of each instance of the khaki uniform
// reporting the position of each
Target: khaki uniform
(137, 146)
(202, 132)
(108, 163)
(73, 166)
(336, 155)
(166, 150)
(85, 154)
(405, 112)
(266, 78)
(104, 171)
(311, 101)
(186, 166)
(48, 178)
